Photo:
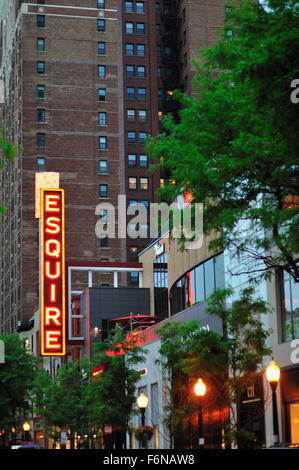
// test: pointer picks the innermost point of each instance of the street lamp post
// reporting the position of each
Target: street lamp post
(273, 376)
(26, 429)
(142, 402)
(200, 389)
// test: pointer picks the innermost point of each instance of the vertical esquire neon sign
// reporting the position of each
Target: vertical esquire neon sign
(52, 270)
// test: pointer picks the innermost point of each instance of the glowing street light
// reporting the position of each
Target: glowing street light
(273, 376)
(142, 402)
(200, 389)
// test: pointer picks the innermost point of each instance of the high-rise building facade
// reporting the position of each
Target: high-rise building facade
(85, 82)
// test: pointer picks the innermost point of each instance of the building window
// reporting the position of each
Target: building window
(129, 49)
(142, 137)
(230, 34)
(142, 115)
(101, 4)
(141, 93)
(145, 202)
(41, 116)
(144, 183)
(103, 144)
(40, 21)
(140, 50)
(104, 242)
(141, 71)
(41, 67)
(139, 7)
(129, 27)
(40, 164)
(161, 284)
(132, 159)
(290, 307)
(133, 182)
(103, 167)
(40, 90)
(158, 8)
(101, 25)
(134, 277)
(130, 93)
(158, 51)
(101, 48)
(130, 71)
(102, 94)
(102, 118)
(143, 161)
(102, 71)
(196, 285)
(40, 44)
(129, 7)
(103, 190)
(131, 137)
(41, 140)
(131, 114)
(140, 28)
(132, 202)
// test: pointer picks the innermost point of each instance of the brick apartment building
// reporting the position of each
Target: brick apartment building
(85, 81)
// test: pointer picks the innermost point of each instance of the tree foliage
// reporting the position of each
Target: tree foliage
(229, 362)
(17, 377)
(9, 151)
(115, 387)
(236, 146)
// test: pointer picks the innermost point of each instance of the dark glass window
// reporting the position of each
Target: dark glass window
(40, 164)
(129, 27)
(103, 167)
(41, 116)
(131, 137)
(40, 21)
(103, 190)
(161, 285)
(101, 48)
(102, 118)
(141, 93)
(209, 277)
(40, 67)
(132, 159)
(40, 44)
(130, 71)
(40, 89)
(104, 242)
(141, 71)
(143, 161)
(101, 4)
(102, 94)
(129, 7)
(140, 50)
(130, 93)
(41, 140)
(103, 143)
(129, 49)
(140, 28)
(290, 307)
(102, 71)
(139, 7)
(101, 25)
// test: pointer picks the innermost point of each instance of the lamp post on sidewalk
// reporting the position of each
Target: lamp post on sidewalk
(142, 402)
(200, 389)
(273, 376)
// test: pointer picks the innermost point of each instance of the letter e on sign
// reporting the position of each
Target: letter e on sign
(52, 293)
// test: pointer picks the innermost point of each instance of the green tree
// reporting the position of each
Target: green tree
(114, 389)
(236, 146)
(17, 377)
(63, 402)
(9, 151)
(229, 363)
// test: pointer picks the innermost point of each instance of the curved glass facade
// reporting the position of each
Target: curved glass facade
(197, 284)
